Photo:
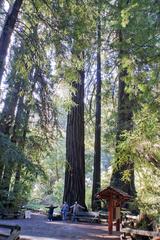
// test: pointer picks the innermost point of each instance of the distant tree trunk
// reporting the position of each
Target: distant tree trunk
(74, 187)
(8, 115)
(124, 122)
(1, 170)
(9, 166)
(21, 123)
(21, 127)
(7, 33)
(16, 188)
(97, 145)
(8, 112)
(19, 137)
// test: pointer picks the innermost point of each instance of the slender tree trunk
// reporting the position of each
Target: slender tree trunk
(74, 188)
(124, 122)
(16, 187)
(8, 112)
(6, 121)
(57, 171)
(1, 171)
(21, 123)
(19, 136)
(7, 33)
(21, 127)
(7, 117)
(5, 183)
(97, 145)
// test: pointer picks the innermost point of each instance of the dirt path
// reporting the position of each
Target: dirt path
(38, 228)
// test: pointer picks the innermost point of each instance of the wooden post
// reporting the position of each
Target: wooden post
(110, 215)
(118, 216)
(114, 197)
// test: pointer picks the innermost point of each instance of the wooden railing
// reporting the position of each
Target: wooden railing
(134, 232)
(9, 232)
(88, 216)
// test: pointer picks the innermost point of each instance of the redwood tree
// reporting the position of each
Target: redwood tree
(124, 123)
(74, 188)
(19, 137)
(6, 34)
(8, 113)
(97, 143)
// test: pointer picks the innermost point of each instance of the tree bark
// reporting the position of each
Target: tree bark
(124, 122)
(8, 113)
(17, 135)
(7, 33)
(97, 145)
(21, 127)
(74, 188)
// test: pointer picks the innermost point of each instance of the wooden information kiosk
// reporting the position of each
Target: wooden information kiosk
(115, 197)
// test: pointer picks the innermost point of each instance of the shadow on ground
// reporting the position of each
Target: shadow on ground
(38, 228)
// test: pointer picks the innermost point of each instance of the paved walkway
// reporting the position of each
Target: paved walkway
(38, 228)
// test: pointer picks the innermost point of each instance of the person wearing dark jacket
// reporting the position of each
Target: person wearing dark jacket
(50, 212)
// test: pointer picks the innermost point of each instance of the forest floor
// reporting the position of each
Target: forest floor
(38, 228)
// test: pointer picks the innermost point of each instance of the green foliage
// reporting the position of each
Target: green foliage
(141, 146)
(142, 142)
(12, 156)
(58, 191)
(50, 188)
(126, 14)
(11, 153)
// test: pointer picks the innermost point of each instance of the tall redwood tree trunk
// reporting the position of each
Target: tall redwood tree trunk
(74, 188)
(8, 115)
(124, 122)
(17, 134)
(19, 137)
(97, 145)
(7, 33)
(9, 166)
(8, 112)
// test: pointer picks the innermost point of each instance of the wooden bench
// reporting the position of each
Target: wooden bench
(103, 215)
(5, 215)
(88, 216)
(9, 232)
(134, 232)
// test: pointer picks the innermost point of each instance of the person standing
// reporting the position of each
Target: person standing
(64, 211)
(76, 208)
(50, 212)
